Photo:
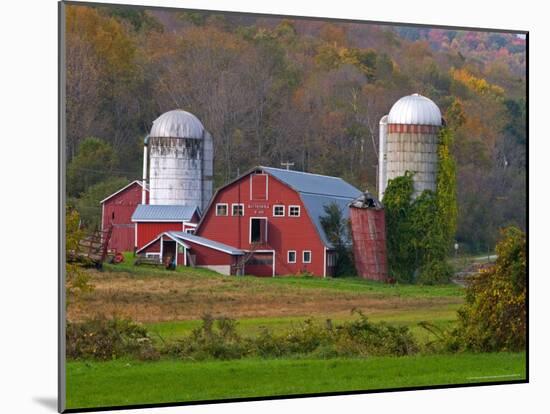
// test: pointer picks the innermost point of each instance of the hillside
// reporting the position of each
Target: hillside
(311, 92)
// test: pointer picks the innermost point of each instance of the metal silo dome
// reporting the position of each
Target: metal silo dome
(177, 124)
(415, 109)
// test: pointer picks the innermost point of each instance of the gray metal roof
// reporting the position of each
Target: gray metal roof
(177, 124)
(317, 191)
(314, 183)
(315, 204)
(415, 109)
(157, 212)
(205, 242)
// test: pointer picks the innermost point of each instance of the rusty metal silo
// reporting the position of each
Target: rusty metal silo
(368, 231)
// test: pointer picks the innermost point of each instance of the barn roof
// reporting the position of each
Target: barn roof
(135, 182)
(317, 191)
(205, 242)
(157, 212)
(314, 183)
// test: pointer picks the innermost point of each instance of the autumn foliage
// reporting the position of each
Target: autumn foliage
(495, 315)
(312, 92)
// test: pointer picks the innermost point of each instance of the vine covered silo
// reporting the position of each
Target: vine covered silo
(409, 142)
(180, 153)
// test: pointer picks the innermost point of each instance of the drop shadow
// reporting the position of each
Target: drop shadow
(48, 402)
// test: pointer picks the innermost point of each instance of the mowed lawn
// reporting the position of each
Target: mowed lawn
(126, 382)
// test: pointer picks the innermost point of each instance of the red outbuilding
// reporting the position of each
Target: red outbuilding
(152, 220)
(117, 210)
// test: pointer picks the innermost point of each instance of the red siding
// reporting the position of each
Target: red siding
(152, 248)
(283, 233)
(117, 211)
(147, 231)
(208, 256)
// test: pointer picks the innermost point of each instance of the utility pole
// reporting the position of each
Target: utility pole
(287, 165)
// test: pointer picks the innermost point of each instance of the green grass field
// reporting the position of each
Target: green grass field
(344, 284)
(171, 303)
(125, 382)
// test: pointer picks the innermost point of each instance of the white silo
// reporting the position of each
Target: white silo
(408, 142)
(181, 157)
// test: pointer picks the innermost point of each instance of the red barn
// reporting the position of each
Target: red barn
(117, 210)
(268, 221)
(152, 220)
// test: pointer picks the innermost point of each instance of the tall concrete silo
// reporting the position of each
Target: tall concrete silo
(408, 142)
(181, 154)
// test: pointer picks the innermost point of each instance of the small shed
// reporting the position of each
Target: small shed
(185, 249)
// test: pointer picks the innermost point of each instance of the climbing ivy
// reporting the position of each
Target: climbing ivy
(446, 187)
(420, 232)
(399, 235)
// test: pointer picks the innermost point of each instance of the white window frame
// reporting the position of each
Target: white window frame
(288, 256)
(190, 231)
(290, 209)
(304, 256)
(226, 209)
(153, 254)
(233, 209)
(278, 205)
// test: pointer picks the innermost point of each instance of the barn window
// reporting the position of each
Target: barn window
(306, 256)
(190, 231)
(278, 210)
(291, 256)
(237, 209)
(221, 209)
(294, 211)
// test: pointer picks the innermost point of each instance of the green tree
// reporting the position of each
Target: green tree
(76, 281)
(447, 205)
(494, 317)
(93, 163)
(88, 202)
(336, 228)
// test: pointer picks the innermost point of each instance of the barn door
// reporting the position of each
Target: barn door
(258, 187)
(258, 230)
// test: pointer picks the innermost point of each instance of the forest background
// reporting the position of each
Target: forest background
(312, 92)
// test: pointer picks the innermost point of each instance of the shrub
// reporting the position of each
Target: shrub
(215, 338)
(494, 316)
(104, 339)
(436, 272)
(218, 339)
(364, 338)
